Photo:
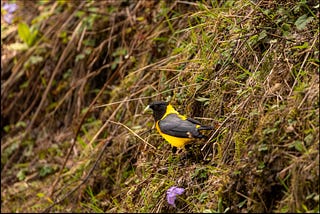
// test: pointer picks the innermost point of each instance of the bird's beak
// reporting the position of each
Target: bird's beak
(147, 109)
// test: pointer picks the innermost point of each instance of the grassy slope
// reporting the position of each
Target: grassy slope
(250, 68)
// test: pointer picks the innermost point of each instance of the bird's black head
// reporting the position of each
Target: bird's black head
(158, 108)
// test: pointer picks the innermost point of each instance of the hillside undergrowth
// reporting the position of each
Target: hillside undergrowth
(76, 76)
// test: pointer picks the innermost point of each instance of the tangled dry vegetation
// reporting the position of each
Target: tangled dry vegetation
(73, 89)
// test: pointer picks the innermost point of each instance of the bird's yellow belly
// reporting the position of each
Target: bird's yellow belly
(174, 141)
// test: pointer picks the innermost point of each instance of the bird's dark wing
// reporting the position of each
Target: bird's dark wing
(173, 125)
(193, 121)
(202, 127)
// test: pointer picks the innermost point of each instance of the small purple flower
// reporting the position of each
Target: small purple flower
(9, 8)
(172, 193)
(8, 18)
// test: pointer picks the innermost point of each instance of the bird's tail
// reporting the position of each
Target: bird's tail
(206, 128)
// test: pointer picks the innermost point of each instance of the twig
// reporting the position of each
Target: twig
(146, 97)
(246, 197)
(106, 123)
(135, 134)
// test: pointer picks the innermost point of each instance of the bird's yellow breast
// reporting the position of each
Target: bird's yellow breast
(174, 141)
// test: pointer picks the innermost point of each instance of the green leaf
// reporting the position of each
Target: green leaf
(285, 27)
(45, 170)
(304, 46)
(79, 57)
(32, 37)
(203, 196)
(6, 128)
(80, 14)
(40, 195)
(305, 208)
(302, 22)
(23, 31)
(52, 106)
(284, 209)
(202, 99)
(262, 35)
(21, 174)
(27, 35)
(261, 165)
(298, 145)
(269, 130)
(263, 147)
(24, 85)
(220, 205)
(120, 52)
(242, 203)
(81, 142)
(309, 139)
(36, 59)
(21, 124)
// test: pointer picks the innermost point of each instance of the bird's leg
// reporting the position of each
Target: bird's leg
(174, 149)
(177, 150)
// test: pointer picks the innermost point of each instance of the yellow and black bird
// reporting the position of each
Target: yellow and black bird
(177, 129)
